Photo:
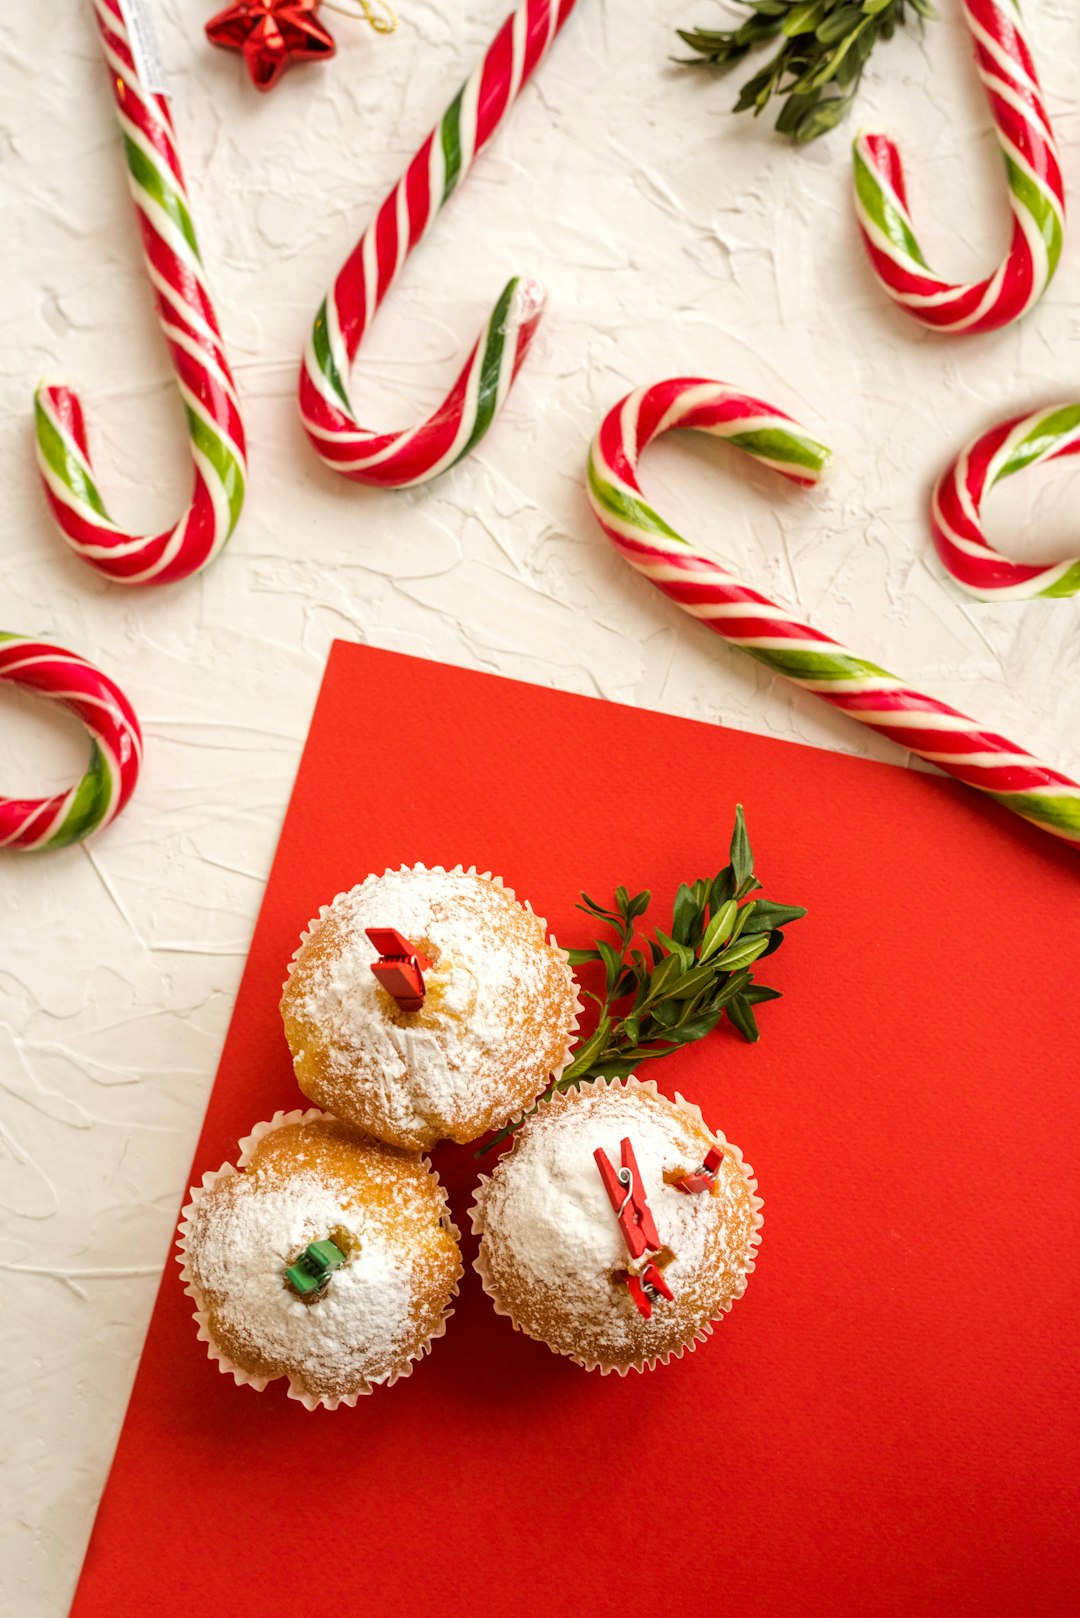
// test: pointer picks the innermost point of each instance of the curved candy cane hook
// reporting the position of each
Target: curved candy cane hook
(190, 329)
(771, 634)
(115, 746)
(1036, 193)
(397, 459)
(956, 511)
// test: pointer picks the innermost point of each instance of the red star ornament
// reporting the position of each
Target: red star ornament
(270, 34)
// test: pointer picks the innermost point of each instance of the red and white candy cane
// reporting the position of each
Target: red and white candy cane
(956, 510)
(771, 634)
(190, 329)
(397, 459)
(115, 746)
(1036, 193)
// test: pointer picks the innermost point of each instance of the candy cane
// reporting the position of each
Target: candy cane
(956, 511)
(1035, 191)
(771, 634)
(396, 459)
(115, 750)
(191, 331)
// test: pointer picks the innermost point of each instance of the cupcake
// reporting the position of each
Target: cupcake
(322, 1256)
(492, 1022)
(556, 1258)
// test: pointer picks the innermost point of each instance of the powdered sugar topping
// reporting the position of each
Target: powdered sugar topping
(552, 1247)
(493, 980)
(353, 1330)
(554, 1212)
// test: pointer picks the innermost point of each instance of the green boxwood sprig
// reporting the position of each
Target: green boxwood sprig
(825, 45)
(670, 989)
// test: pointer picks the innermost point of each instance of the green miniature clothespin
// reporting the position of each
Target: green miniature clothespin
(314, 1267)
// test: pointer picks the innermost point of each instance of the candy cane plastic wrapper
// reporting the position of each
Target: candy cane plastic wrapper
(397, 459)
(956, 512)
(190, 329)
(115, 746)
(1036, 193)
(771, 634)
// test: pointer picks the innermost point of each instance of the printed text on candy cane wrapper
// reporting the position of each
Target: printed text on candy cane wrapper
(144, 46)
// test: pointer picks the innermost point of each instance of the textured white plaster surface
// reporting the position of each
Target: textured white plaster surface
(672, 238)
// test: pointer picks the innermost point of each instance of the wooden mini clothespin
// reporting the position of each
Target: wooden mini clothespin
(313, 1269)
(400, 968)
(704, 1178)
(626, 1194)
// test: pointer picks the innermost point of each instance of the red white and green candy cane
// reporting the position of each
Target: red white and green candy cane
(771, 634)
(115, 746)
(190, 329)
(956, 510)
(1036, 193)
(397, 459)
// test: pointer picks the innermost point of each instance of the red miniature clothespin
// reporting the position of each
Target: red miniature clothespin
(400, 968)
(704, 1178)
(626, 1194)
(644, 1288)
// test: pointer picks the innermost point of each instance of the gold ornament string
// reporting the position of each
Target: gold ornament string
(380, 17)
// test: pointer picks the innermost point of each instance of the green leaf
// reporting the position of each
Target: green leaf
(612, 964)
(578, 957)
(699, 1027)
(597, 910)
(741, 1013)
(669, 969)
(838, 23)
(682, 952)
(718, 931)
(768, 915)
(822, 117)
(735, 985)
(584, 1055)
(684, 915)
(745, 914)
(756, 91)
(723, 889)
(803, 19)
(742, 860)
(693, 982)
(741, 953)
(617, 1067)
(628, 980)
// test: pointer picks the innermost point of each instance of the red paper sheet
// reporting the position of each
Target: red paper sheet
(886, 1423)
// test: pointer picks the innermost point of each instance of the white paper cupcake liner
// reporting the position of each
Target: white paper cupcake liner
(705, 1331)
(241, 1377)
(497, 881)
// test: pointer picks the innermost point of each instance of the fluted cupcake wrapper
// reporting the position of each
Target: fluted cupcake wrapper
(246, 1146)
(704, 1332)
(497, 881)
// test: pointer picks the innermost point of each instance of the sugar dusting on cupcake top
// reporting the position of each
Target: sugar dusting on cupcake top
(552, 1242)
(498, 1008)
(246, 1238)
(312, 1183)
